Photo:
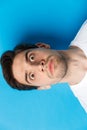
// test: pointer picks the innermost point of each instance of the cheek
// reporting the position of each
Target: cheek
(42, 79)
(40, 56)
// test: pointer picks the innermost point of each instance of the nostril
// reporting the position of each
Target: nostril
(42, 69)
(42, 62)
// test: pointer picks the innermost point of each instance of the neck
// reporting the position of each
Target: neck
(76, 64)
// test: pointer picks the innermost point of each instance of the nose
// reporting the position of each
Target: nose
(38, 66)
(42, 65)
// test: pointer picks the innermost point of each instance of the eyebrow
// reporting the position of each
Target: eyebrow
(26, 55)
(26, 78)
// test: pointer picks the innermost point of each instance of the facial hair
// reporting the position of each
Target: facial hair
(61, 65)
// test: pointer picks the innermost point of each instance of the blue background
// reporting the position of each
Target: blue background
(55, 22)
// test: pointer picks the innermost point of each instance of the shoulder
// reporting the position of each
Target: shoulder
(73, 47)
(77, 50)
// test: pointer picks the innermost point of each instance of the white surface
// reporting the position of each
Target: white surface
(80, 90)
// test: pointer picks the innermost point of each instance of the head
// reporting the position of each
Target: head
(30, 67)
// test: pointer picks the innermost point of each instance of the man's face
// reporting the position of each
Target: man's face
(38, 67)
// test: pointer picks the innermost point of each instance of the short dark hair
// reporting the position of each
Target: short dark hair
(6, 64)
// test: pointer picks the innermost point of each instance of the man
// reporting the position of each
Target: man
(38, 66)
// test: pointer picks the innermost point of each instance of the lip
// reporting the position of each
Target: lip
(51, 66)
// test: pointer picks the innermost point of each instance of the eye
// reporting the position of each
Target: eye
(32, 76)
(31, 57)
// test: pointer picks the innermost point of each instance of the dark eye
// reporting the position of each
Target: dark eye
(31, 75)
(31, 57)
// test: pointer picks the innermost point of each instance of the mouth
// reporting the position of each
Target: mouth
(51, 66)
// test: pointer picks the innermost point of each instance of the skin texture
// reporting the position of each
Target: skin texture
(44, 66)
(41, 71)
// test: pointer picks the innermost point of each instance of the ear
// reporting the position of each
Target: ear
(44, 87)
(42, 45)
